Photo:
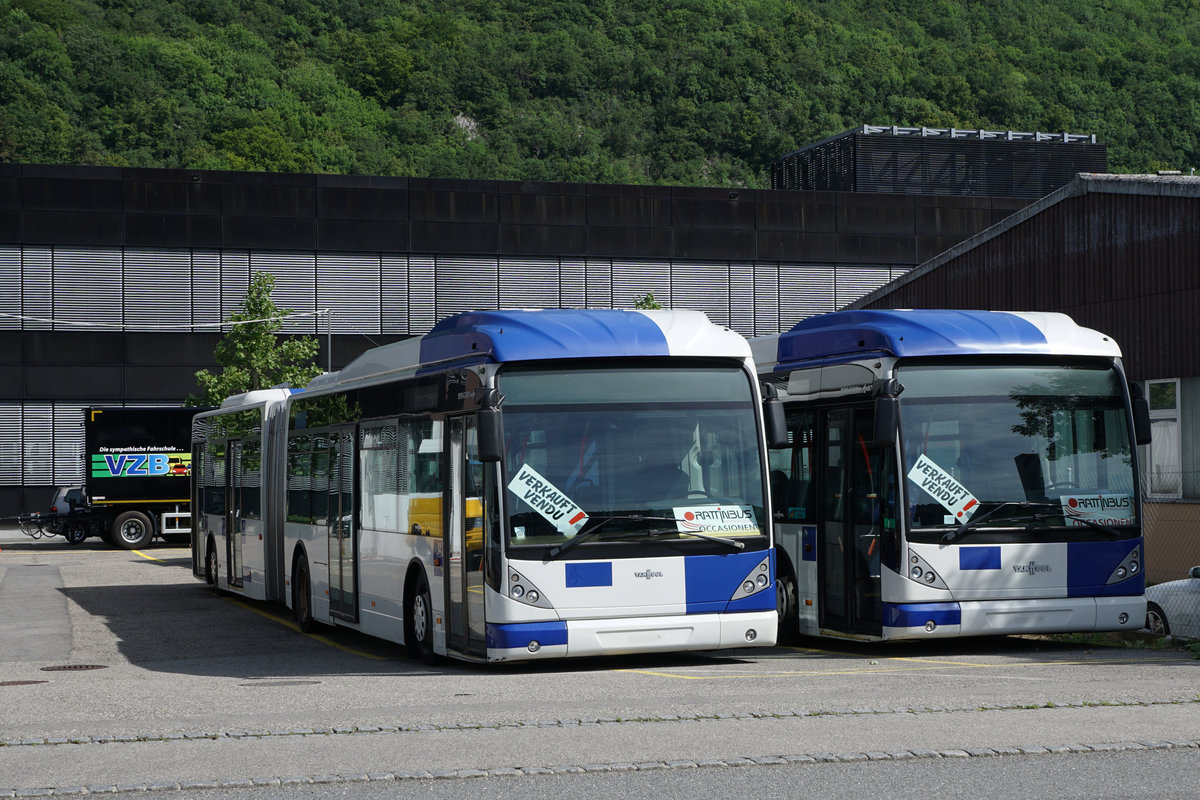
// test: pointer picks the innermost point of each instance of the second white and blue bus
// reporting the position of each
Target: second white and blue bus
(512, 485)
(954, 473)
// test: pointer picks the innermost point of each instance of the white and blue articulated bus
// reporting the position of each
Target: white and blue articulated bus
(513, 485)
(954, 473)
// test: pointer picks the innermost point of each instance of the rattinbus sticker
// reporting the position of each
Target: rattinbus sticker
(941, 486)
(715, 519)
(546, 499)
(1098, 509)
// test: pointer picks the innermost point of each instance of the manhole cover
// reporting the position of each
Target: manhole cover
(21, 683)
(73, 667)
(280, 683)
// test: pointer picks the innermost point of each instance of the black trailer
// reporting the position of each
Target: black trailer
(137, 465)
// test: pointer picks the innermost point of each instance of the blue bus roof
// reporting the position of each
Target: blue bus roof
(846, 335)
(479, 337)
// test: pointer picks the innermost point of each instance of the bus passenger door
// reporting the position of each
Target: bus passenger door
(851, 534)
(234, 526)
(343, 596)
(463, 543)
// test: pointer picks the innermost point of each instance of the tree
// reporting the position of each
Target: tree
(252, 356)
(647, 302)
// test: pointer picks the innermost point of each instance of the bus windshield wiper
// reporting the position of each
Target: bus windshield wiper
(1032, 516)
(976, 521)
(588, 535)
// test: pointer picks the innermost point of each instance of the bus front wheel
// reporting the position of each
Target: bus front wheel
(420, 616)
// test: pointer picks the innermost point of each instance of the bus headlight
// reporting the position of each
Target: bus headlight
(758, 580)
(523, 591)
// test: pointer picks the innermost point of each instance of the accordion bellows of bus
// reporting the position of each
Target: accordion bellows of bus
(512, 485)
(954, 473)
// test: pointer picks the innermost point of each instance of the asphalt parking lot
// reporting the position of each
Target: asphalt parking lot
(118, 670)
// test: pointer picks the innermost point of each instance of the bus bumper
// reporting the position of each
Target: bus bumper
(1000, 617)
(599, 637)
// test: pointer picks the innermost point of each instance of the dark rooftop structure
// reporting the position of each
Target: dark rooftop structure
(943, 161)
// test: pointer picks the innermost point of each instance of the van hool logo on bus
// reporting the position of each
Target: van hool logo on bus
(1032, 568)
(648, 574)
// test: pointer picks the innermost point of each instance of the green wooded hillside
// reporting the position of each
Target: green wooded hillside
(699, 92)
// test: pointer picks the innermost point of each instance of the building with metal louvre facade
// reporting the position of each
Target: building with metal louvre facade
(112, 279)
(943, 161)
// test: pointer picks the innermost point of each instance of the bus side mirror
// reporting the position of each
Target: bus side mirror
(1141, 414)
(490, 430)
(887, 420)
(773, 418)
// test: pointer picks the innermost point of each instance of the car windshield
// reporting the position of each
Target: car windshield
(1033, 447)
(649, 454)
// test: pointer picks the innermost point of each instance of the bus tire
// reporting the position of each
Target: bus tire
(211, 566)
(302, 596)
(786, 602)
(419, 612)
(132, 530)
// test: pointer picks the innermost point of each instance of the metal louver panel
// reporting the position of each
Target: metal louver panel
(466, 284)
(394, 294)
(572, 290)
(854, 282)
(599, 284)
(348, 285)
(206, 288)
(235, 279)
(87, 287)
(632, 280)
(10, 288)
(422, 305)
(11, 454)
(529, 284)
(157, 289)
(294, 275)
(37, 287)
(703, 287)
(741, 298)
(804, 290)
(68, 444)
(37, 432)
(766, 299)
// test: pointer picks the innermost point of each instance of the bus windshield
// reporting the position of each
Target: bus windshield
(1030, 447)
(661, 456)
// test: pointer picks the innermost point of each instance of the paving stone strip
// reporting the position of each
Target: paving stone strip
(574, 769)
(568, 769)
(357, 730)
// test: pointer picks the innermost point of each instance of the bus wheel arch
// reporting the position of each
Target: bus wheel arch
(418, 614)
(132, 530)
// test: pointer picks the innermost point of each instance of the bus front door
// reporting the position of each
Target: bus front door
(850, 534)
(343, 592)
(463, 543)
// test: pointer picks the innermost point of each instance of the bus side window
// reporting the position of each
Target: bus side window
(791, 471)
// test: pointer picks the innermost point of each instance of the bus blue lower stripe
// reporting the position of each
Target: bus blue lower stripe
(915, 615)
(520, 634)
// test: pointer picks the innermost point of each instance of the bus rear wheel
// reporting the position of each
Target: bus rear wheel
(420, 622)
(132, 530)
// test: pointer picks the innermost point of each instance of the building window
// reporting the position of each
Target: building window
(1163, 462)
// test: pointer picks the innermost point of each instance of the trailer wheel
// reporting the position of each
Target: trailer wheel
(75, 534)
(132, 530)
